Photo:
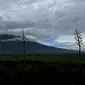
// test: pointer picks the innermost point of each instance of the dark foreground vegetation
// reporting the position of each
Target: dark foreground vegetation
(41, 73)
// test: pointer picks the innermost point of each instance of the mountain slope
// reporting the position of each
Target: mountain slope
(16, 47)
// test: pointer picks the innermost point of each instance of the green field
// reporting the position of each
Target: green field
(46, 59)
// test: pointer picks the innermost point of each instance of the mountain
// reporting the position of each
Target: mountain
(6, 36)
(16, 47)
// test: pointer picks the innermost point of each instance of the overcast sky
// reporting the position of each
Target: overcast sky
(43, 19)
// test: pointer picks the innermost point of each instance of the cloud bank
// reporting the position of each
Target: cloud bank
(43, 19)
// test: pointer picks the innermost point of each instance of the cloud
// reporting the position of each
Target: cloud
(69, 42)
(68, 38)
(20, 38)
(43, 19)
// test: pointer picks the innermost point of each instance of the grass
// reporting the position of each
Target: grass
(46, 59)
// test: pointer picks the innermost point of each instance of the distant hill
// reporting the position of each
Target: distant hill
(16, 47)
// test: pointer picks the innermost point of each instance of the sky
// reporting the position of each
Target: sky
(50, 22)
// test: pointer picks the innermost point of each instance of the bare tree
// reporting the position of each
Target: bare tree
(24, 49)
(78, 39)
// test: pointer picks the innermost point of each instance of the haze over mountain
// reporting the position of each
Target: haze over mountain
(10, 44)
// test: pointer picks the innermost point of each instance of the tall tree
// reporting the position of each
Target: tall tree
(24, 49)
(78, 39)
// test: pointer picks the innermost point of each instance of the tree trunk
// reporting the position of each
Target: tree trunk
(79, 50)
(24, 51)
